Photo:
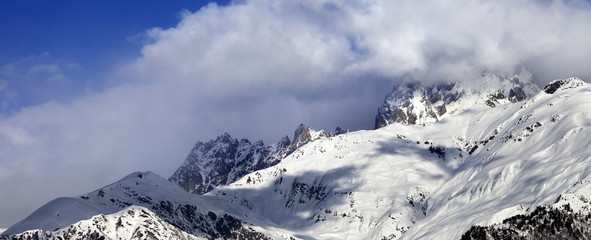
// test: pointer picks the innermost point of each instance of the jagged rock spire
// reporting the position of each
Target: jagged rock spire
(224, 160)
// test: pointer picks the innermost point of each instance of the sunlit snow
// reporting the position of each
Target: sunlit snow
(432, 181)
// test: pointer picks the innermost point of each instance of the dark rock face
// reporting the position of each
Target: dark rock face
(339, 131)
(301, 136)
(517, 95)
(556, 85)
(543, 223)
(441, 109)
(224, 160)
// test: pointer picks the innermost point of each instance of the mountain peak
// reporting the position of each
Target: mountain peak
(224, 160)
(139, 175)
(303, 135)
(225, 138)
(165, 211)
(416, 103)
(301, 132)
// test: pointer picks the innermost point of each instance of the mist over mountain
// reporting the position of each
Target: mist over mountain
(505, 161)
(256, 69)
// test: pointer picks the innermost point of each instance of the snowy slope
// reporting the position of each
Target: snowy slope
(197, 215)
(539, 153)
(131, 223)
(477, 167)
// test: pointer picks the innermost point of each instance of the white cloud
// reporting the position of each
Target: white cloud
(260, 68)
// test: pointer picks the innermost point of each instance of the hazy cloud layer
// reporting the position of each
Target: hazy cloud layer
(259, 68)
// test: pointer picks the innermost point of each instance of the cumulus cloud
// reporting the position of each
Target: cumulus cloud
(258, 68)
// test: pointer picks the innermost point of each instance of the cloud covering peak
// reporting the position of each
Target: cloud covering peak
(318, 42)
(258, 68)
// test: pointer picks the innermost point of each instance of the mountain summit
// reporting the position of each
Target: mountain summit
(415, 103)
(224, 160)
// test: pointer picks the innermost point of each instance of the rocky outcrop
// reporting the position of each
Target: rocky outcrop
(223, 160)
(543, 223)
(410, 104)
(560, 84)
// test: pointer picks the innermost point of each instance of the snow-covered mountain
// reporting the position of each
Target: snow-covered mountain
(513, 168)
(139, 205)
(477, 167)
(131, 223)
(414, 103)
(224, 160)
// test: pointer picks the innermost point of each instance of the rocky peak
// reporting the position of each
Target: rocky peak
(413, 103)
(419, 103)
(304, 135)
(283, 143)
(301, 134)
(339, 131)
(210, 164)
(561, 84)
(225, 138)
(226, 159)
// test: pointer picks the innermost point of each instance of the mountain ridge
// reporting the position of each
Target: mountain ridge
(164, 202)
(224, 160)
(480, 166)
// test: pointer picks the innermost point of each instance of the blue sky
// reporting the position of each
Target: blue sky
(93, 90)
(85, 39)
